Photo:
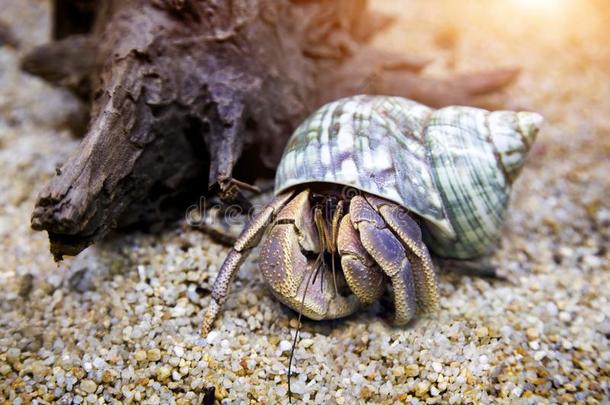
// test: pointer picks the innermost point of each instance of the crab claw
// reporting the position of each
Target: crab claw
(393, 239)
(293, 267)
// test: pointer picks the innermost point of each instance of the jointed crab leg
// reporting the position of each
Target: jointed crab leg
(409, 233)
(362, 274)
(389, 253)
(248, 239)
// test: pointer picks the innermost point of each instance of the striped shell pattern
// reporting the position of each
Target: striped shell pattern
(453, 167)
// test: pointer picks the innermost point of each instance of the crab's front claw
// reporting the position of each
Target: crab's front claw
(296, 272)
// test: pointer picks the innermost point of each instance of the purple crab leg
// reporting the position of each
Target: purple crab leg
(389, 253)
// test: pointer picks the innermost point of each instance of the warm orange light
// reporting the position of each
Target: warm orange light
(541, 5)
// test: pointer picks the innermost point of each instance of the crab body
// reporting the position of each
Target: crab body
(366, 185)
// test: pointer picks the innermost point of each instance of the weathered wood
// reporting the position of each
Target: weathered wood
(187, 95)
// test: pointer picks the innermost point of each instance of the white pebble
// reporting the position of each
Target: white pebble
(178, 311)
(88, 386)
(516, 392)
(539, 355)
(357, 379)
(298, 387)
(551, 309)
(285, 346)
(306, 343)
(212, 336)
(99, 363)
(386, 389)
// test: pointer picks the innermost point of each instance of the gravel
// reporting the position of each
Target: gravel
(120, 322)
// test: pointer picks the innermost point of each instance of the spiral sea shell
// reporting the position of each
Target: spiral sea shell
(452, 167)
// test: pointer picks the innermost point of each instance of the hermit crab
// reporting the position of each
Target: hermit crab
(367, 188)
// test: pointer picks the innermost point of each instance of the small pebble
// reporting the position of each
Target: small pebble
(88, 386)
(163, 372)
(421, 388)
(212, 337)
(532, 333)
(39, 369)
(141, 355)
(285, 346)
(12, 355)
(153, 355)
(179, 351)
(482, 332)
(306, 343)
(5, 369)
(516, 392)
(412, 370)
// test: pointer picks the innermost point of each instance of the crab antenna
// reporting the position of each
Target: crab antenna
(314, 272)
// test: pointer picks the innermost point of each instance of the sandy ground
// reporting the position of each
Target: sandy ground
(120, 322)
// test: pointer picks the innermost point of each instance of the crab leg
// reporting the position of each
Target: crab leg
(389, 253)
(248, 239)
(409, 232)
(361, 272)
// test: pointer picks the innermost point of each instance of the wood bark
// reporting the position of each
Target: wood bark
(187, 96)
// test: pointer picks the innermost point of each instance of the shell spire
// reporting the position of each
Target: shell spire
(513, 134)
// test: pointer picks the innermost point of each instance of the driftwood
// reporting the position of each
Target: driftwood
(188, 96)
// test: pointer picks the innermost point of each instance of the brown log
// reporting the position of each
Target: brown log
(187, 95)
